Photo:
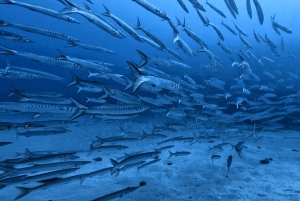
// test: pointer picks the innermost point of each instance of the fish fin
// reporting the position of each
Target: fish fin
(144, 135)
(170, 154)
(91, 150)
(62, 56)
(7, 51)
(106, 91)
(115, 164)
(176, 38)
(139, 81)
(138, 24)
(24, 191)
(75, 80)
(145, 59)
(129, 83)
(107, 13)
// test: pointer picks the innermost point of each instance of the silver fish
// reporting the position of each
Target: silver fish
(216, 9)
(125, 26)
(90, 47)
(5, 35)
(39, 9)
(150, 7)
(228, 28)
(37, 30)
(259, 11)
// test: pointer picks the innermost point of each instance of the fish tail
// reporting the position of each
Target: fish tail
(91, 150)
(75, 80)
(107, 13)
(144, 135)
(138, 25)
(144, 57)
(6, 2)
(7, 51)
(176, 38)
(129, 83)
(24, 191)
(170, 154)
(139, 81)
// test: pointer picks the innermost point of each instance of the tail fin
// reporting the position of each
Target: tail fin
(91, 150)
(115, 164)
(178, 22)
(144, 135)
(3, 23)
(139, 81)
(6, 2)
(138, 25)
(75, 80)
(24, 191)
(80, 109)
(176, 38)
(129, 83)
(7, 51)
(71, 44)
(70, 7)
(170, 154)
(107, 13)
(62, 56)
(145, 59)
(106, 91)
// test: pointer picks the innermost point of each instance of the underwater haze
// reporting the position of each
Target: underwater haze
(181, 100)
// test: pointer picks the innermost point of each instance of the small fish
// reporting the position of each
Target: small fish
(229, 161)
(120, 193)
(179, 153)
(259, 11)
(215, 157)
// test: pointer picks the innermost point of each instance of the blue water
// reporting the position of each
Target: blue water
(287, 14)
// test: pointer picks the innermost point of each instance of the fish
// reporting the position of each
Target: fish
(41, 58)
(25, 190)
(277, 26)
(256, 37)
(104, 148)
(150, 35)
(150, 7)
(229, 161)
(201, 16)
(215, 156)
(122, 24)
(249, 10)
(211, 57)
(231, 10)
(119, 193)
(259, 11)
(233, 6)
(5, 35)
(183, 6)
(228, 28)
(226, 49)
(90, 47)
(241, 32)
(148, 163)
(218, 31)
(40, 31)
(152, 136)
(92, 17)
(153, 80)
(216, 9)
(40, 74)
(4, 143)
(178, 153)
(133, 158)
(246, 43)
(197, 4)
(42, 10)
(182, 44)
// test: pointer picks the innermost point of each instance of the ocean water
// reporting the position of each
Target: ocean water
(223, 127)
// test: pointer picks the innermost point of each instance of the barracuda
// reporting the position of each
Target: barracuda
(124, 25)
(95, 19)
(13, 37)
(150, 7)
(42, 10)
(41, 58)
(155, 82)
(37, 30)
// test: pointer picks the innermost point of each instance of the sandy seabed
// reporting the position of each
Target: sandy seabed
(183, 178)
